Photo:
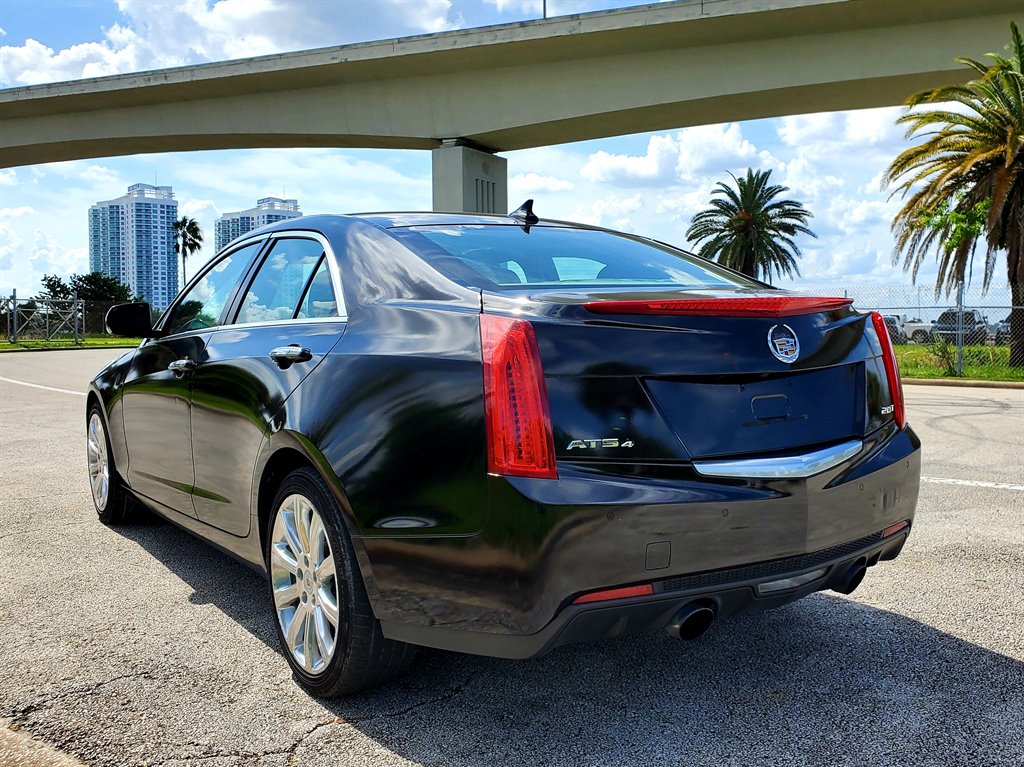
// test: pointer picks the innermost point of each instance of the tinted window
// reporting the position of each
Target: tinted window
(202, 306)
(319, 300)
(282, 277)
(508, 256)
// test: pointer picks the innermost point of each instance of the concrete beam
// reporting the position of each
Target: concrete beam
(521, 85)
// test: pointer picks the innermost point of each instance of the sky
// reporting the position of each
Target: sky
(651, 184)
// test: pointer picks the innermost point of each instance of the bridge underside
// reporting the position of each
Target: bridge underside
(503, 88)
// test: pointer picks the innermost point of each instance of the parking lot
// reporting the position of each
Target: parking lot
(143, 645)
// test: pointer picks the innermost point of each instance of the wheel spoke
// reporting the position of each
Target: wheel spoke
(298, 619)
(286, 595)
(294, 539)
(282, 557)
(325, 569)
(323, 632)
(309, 643)
(329, 605)
(303, 512)
(316, 531)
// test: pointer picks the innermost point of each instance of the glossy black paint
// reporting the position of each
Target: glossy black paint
(389, 408)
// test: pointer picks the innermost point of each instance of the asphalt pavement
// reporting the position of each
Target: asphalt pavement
(143, 645)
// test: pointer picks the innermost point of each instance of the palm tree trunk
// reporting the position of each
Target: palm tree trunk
(1017, 324)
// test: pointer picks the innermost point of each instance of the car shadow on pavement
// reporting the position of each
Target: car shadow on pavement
(826, 680)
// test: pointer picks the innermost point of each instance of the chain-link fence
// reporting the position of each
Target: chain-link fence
(969, 334)
(49, 319)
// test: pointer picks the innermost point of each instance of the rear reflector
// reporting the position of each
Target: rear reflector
(892, 369)
(893, 529)
(519, 440)
(603, 596)
(774, 306)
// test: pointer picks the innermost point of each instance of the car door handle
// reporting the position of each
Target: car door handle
(182, 366)
(285, 356)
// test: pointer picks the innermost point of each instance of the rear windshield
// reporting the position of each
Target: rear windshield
(505, 256)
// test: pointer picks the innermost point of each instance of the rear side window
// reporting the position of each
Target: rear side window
(505, 256)
(204, 302)
(281, 281)
(319, 299)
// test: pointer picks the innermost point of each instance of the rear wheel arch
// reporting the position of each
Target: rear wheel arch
(284, 460)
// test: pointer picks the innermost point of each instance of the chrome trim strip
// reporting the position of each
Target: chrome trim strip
(785, 467)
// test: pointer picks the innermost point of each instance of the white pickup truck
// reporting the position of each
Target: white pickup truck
(918, 331)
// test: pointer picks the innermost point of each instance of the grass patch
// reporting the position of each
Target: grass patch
(92, 342)
(981, 363)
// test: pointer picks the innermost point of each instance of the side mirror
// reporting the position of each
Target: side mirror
(131, 320)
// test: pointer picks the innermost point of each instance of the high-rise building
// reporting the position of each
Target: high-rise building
(132, 238)
(267, 211)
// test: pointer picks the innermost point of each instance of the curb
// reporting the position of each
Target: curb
(69, 349)
(968, 384)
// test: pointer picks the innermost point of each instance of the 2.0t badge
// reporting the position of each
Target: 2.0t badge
(783, 343)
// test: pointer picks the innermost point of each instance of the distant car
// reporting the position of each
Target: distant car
(974, 329)
(499, 435)
(895, 327)
(1002, 333)
(919, 332)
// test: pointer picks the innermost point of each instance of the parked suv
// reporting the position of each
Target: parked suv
(1002, 333)
(895, 326)
(975, 327)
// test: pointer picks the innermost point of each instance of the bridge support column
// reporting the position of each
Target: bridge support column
(468, 180)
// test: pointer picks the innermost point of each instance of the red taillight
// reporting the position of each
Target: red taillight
(519, 441)
(892, 369)
(626, 591)
(773, 306)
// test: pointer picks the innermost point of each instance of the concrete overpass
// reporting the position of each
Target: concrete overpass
(469, 94)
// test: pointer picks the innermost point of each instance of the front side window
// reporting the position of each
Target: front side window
(507, 257)
(203, 304)
(281, 281)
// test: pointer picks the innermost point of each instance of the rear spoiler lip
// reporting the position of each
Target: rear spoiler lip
(773, 307)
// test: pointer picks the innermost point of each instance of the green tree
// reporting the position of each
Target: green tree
(968, 153)
(188, 238)
(97, 286)
(54, 287)
(748, 229)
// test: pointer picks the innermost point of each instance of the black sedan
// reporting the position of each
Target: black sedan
(498, 435)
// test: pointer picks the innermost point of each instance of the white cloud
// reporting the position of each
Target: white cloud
(8, 177)
(529, 183)
(684, 156)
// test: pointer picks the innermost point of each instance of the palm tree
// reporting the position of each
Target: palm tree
(188, 238)
(748, 229)
(971, 157)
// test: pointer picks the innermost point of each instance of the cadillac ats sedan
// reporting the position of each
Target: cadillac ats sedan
(499, 435)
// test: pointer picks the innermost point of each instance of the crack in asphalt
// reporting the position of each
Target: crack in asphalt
(292, 750)
(20, 714)
(456, 690)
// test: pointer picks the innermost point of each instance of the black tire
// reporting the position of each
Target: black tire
(362, 658)
(119, 507)
(920, 337)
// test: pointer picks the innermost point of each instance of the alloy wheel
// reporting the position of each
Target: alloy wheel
(305, 584)
(99, 461)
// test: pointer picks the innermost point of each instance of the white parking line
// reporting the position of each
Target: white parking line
(973, 483)
(40, 386)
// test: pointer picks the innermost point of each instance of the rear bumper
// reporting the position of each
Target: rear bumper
(728, 592)
(509, 591)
